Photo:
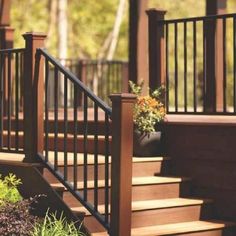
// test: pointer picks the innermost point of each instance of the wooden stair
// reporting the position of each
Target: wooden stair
(162, 204)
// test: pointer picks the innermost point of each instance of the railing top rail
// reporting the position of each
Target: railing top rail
(92, 60)
(74, 79)
(13, 50)
(201, 18)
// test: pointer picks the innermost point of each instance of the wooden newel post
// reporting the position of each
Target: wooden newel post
(33, 98)
(121, 169)
(156, 39)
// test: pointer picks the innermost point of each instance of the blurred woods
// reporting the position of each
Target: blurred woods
(91, 28)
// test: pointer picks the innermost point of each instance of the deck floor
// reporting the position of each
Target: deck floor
(180, 119)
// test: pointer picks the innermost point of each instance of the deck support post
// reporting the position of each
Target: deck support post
(156, 39)
(138, 39)
(5, 6)
(33, 98)
(121, 167)
(214, 65)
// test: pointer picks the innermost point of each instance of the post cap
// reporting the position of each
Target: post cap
(156, 12)
(34, 35)
(124, 97)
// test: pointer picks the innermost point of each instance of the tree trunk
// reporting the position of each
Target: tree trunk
(116, 29)
(62, 41)
(52, 9)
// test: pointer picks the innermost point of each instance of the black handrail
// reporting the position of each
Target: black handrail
(200, 18)
(73, 78)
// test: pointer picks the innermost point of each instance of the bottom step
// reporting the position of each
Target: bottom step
(194, 228)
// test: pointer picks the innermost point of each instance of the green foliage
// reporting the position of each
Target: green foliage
(8, 189)
(51, 226)
(148, 110)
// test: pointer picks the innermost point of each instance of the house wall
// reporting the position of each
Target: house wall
(207, 153)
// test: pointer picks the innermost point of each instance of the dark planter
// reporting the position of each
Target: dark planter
(147, 145)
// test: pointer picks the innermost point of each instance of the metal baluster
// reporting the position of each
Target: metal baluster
(1, 99)
(9, 100)
(107, 153)
(224, 68)
(85, 145)
(75, 128)
(176, 67)
(65, 127)
(96, 157)
(17, 101)
(204, 66)
(185, 68)
(234, 55)
(46, 109)
(167, 69)
(194, 67)
(56, 119)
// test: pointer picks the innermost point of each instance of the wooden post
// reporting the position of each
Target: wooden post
(33, 98)
(121, 169)
(156, 39)
(138, 39)
(213, 33)
(6, 37)
(125, 77)
(5, 6)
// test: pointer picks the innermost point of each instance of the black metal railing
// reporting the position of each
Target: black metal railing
(11, 93)
(78, 133)
(200, 58)
(103, 77)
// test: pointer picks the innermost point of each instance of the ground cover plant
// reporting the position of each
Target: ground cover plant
(51, 226)
(19, 217)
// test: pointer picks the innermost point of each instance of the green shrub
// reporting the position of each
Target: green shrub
(8, 189)
(52, 226)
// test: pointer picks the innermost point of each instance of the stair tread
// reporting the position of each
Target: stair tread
(101, 158)
(146, 180)
(177, 228)
(154, 204)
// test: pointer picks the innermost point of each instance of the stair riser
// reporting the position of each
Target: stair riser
(146, 192)
(60, 144)
(92, 126)
(159, 216)
(139, 170)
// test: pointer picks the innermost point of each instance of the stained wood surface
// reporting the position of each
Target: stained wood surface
(177, 228)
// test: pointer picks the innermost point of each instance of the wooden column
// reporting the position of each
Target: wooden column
(33, 98)
(5, 6)
(156, 39)
(121, 169)
(6, 37)
(138, 39)
(213, 31)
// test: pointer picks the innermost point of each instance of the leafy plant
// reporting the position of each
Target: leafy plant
(148, 110)
(17, 218)
(51, 226)
(8, 189)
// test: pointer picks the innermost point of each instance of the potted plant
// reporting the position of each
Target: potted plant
(149, 112)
